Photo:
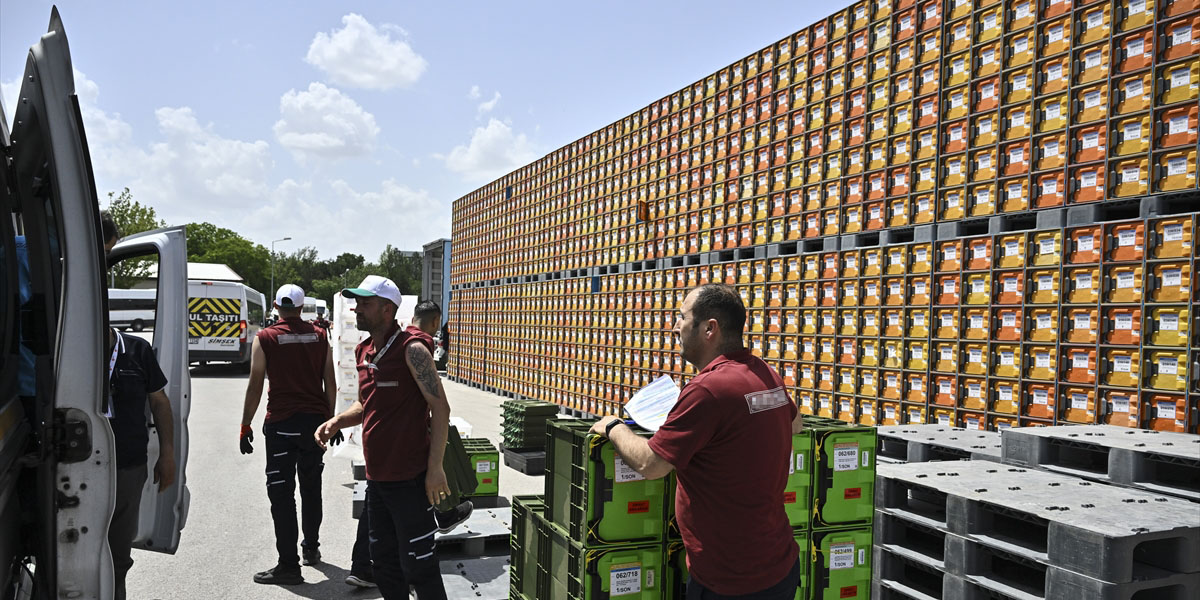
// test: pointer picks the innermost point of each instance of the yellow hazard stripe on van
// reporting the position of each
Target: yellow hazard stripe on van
(215, 305)
(201, 329)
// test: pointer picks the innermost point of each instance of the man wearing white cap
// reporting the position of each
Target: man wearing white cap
(298, 360)
(405, 419)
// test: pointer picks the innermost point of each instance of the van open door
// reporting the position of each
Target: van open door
(162, 515)
(67, 490)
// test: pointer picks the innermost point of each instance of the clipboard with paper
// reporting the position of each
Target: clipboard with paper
(650, 405)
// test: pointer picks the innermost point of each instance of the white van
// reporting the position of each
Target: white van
(54, 437)
(223, 318)
(131, 309)
(308, 312)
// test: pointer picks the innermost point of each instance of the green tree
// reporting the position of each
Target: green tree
(131, 217)
(212, 244)
(403, 268)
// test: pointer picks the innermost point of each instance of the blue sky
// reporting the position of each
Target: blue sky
(352, 125)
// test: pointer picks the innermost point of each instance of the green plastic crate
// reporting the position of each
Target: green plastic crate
(485, 463)
(843, 481)
(593, 495)
(797, 494)
(840, 567)
(676, 576)
(624, 572)
(524, 544)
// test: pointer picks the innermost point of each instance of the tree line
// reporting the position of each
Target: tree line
(209, 243)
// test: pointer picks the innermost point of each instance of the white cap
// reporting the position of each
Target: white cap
(289, 295)
(375, 285)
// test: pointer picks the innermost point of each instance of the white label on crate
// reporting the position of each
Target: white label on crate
(1083, 321)
(1122, 364)
(1095, 19)
(1054, 111)
(1050, 148)
(1134, 47)
(1178, 125)
(895, 288)
(1045, 282)
(1124, 321)
(1044, 322)
(483, 466)
(926, 108)
(1168, 365)
(1050, 186)
(1181, 35)
(945, 387)
(1079, 401)
(985, 126)
(1079, 360)
(1091, 139)
(1017, 155)
(1086, 244)
(847, 378)
(1046, 246)
(983, 196)
(1011, 248)
(1042, 360)
(978, 287)
(1132, 131)
(1022, 10)
(918, 353)
(1008, 320)
(1131, 174)
(950, 253)
(1165, 410)
(845, 457)
(989, 21)
(985, 160)
(919, 289)
(1091, 99)
(988, 56)
(943, 419)
(1137, 6)
(799, 468)
(903, 85)
(841, 556)
(1180, 77)
(1041, 397)
(1125, 280)
(948, 286)
(1168, 322)
(623, 473)
(1172, 277)
(976, 321)
(626, 579)
(1088, 179)
(974, 390)
(1090, 61)
(1005, 393)
(1176, 165)
(1134, 87)
(946, 353)
(1021, 82)
(952, 200)
(1007, 358)
(1120, 404)
(869, 350)
(1010, 284)
(1056, 33)
(915, 384)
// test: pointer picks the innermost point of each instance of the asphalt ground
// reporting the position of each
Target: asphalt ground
(229, 535)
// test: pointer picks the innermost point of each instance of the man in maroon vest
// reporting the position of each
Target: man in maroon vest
(298, 360)
(405, 420)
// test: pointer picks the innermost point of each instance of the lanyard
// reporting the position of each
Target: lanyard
(371, 365)
(119, 344)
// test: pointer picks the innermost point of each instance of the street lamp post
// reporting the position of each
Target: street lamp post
(271, 292)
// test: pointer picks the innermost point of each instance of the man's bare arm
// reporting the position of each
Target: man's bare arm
(164, 423)
(254, 388)
(330, 381)
(420, 363)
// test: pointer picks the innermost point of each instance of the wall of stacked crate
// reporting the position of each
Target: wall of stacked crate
(969, 212)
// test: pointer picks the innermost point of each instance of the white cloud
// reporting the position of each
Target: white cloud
(8, 95)
(323, 122)
(99, 125)
(493, 151)
(474, 93)
(363, 56)
(486, 107)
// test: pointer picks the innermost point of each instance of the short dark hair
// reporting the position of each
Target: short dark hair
(426, 309)
(721, 302)
(108, 227)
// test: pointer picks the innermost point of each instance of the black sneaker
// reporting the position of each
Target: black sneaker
(280, 575)
(447, 521)
(310, 556)
(360, 578)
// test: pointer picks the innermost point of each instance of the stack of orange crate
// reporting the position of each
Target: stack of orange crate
(887, 115)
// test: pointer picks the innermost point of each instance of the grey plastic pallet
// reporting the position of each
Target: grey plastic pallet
(479, 578)
(1097, 530)
(1017, 576)
(923, 443)
(895, 575)
(358, 469)
(490, 526)
(909, 540)
(1157, 461)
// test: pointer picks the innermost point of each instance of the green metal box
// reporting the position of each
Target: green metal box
(840, 564)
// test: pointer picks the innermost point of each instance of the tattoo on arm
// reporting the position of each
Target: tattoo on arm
(421, 364)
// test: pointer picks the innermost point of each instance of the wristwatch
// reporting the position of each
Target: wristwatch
(608, 428)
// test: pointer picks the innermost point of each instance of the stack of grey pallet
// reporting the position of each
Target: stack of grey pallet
(979, 529)
(923, 443)
(1155, 461)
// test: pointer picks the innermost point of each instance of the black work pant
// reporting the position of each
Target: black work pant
(293, 454)
(402, 546)
(360, 556)
(123, 527)
(784, 590)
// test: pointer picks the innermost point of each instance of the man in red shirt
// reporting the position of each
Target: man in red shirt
(405, 420)
(729, 439)
(298, 360)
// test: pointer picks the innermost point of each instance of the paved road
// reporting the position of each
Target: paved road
(229, 536)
